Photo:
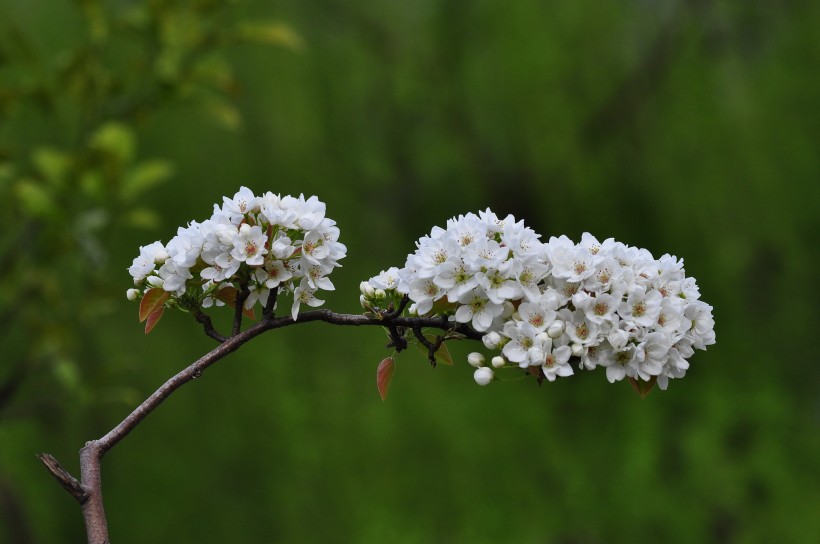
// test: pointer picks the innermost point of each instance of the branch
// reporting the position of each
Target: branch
(270, 305)
(88, 492)
(241, 297)
(205, 319)
(69, 482)
(432, 347)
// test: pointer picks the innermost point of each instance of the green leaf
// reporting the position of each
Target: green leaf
(52, 164)
(35, 200)
(641, 387)
(116, 140)
(270, 33)
(153, 319)
(145, 175)
(142, 218)
(152, 300)
(223, 112)
(384, 375)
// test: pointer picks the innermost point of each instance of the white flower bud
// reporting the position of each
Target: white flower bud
(483, 375)
(577, 350)
(536, 356)
(363, 287)
(161, 256)
(155, 281)
(498, 361)
(476, 359)
(132, 294)
(379, 294)
(363, 301)
(556, 329)
(543, 337)
(617, 338)
(509, 309)
(491, 340)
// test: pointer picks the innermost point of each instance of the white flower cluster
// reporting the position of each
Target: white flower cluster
(549, 306)
(268, 241)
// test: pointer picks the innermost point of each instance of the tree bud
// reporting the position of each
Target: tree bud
(498, 361)
(483, 375)
(556, 329)
(476, 359)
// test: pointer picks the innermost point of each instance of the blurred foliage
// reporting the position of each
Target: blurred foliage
(687, 127)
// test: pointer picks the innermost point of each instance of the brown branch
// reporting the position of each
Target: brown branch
(239, 306)
(208, 326)
(432, 347)
(270, 305)
(69, 482)
(89, 491)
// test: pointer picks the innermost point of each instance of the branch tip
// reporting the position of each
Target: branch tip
(69, 482)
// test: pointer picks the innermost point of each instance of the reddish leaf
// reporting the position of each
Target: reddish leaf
(152, 300)
(153, 319)
(641, 387)
(228, 296)
(384, 374)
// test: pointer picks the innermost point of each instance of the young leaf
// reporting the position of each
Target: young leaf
(153, 319)
(641, 387)
(442, 353)
(384, 374)
(228, 296)
(151, 301)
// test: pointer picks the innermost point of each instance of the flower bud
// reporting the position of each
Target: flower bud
(543, 337)
(498, 361)
(413, 310)
(577, 350)
(476, 359)
(536, 356)
(363, 301)
(556, 329)
(363, 287)
(483, 375)
(617, 338)
(379, 294)
(491, 340)
(155, 281)
(161, 256)
(132, 294)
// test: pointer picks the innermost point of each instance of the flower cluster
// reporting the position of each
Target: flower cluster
(554, 307)
(260, 242)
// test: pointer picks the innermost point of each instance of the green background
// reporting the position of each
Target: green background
(688, 127)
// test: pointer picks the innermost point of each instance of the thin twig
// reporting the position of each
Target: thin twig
(239, 308)
(270, 305)
(208, 326)
(432, 347)
(69, 482)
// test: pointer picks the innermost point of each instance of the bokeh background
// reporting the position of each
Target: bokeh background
(689, 126)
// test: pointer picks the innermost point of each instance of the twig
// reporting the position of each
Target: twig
(69, 482)
(88, 491)
(270, 305)
(239, 307)
(432, 347)
(205, 319)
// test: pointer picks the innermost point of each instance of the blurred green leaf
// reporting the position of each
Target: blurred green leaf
(223, 112)
(67, 373)
(115, 139)
(35, 200)
(52, 164)
(143, 218)
(143, 176)
(270, 33)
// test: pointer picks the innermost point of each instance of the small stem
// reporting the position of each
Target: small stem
(241, 297)
(208, 326)
(270, 306)
(69, 482)
(432, 347)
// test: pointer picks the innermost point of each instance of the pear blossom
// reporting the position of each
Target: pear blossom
(557, 305)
